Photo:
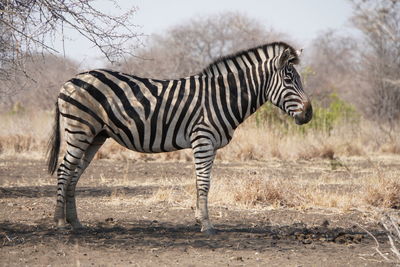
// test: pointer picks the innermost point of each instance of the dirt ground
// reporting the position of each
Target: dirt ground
(123, 229)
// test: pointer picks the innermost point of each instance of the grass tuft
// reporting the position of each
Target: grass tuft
(385, 193)
(256, 191)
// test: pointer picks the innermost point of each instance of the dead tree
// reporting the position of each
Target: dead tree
(379, 22)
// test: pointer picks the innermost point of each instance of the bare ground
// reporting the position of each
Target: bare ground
(123, 228)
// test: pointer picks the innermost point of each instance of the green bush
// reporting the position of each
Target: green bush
(324, 119)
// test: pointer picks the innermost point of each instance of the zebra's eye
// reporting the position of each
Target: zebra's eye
(287, 80)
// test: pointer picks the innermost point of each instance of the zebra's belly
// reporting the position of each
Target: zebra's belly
(151, 142)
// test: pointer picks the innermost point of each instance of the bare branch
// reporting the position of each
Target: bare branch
(187, 48)
(377, 247)
(27, 26)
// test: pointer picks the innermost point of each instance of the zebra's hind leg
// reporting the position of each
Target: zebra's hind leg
(66, 171)
(90, 152)
(204, 154)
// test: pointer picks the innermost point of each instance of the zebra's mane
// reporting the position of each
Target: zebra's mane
(295, 58)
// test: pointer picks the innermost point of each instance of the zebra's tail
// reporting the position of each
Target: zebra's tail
(53, 148)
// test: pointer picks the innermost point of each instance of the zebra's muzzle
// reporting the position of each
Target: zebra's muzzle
(305, 116)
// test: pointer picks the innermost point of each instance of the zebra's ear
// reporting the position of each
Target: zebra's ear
(299, 52)
(285, 57)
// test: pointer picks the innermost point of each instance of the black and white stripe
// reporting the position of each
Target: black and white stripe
(149, 115)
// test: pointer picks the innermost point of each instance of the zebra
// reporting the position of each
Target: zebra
(200, 112)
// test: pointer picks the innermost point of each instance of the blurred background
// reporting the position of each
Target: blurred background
(350, 65)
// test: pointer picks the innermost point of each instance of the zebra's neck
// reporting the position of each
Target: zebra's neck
(238, 84)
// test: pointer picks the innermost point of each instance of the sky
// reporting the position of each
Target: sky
(301, 20)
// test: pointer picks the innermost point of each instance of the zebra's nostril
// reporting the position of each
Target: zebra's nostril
(309, 112)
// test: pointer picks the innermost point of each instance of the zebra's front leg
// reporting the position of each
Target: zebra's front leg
(204, 154)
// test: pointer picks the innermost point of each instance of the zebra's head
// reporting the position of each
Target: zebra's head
(289, 94)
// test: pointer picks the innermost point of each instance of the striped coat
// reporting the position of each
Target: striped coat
(149, 115)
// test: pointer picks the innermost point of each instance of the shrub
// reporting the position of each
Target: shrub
(325, 119)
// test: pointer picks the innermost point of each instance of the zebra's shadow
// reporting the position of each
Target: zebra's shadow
(51, 191)
(164, 236)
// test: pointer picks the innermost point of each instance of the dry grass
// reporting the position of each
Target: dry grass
(26, 136)
(22, 134)
(268, 143)
(256, 191)
(264, 191)
(384, 192)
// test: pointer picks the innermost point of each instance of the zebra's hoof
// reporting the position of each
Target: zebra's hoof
(209, 231)
(79, 230)
(63, 229)
(77, 226)
(61, 224)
